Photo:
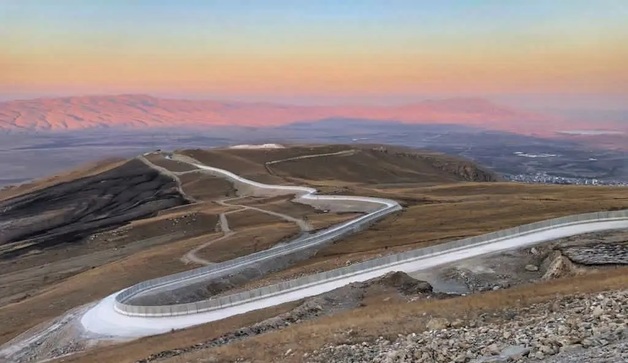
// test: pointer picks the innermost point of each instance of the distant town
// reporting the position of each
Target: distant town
(544, 178)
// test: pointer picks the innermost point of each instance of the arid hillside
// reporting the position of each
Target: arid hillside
(88, 112)
(171, 217)
(356, 164)
(73, 210)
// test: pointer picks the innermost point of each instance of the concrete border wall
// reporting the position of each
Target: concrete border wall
(303, 244)
(299, 245)
(344, 272)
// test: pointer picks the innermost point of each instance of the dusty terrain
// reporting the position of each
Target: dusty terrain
(444, 200)
(580, 328)
(71, 211)
(359, 165)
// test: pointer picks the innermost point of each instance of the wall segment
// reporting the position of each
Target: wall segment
(114, 315)
(303, 195)
(586, 222)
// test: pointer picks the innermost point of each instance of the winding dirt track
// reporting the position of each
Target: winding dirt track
(223, 222)
(191, 256)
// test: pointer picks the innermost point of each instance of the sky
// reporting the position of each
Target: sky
(552, 53)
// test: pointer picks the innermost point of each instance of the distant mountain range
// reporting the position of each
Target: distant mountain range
(142, 111)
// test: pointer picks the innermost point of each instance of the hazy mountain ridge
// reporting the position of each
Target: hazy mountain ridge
(141, 111)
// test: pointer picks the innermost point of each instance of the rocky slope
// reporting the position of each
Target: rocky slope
(570, 329)
(70, 211)
(461, 168)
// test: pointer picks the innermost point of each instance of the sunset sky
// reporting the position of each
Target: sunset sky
(542, 53)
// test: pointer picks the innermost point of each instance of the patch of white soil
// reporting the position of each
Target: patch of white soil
(260, 146)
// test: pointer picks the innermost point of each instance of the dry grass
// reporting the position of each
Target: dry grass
(237, 161)
(324, 220)
(460, 210)
(192, 224)
(389, 318)
(204, 187)
(204, 207)
(440, 214)
(79, 172)
(250, 217)
(249, 240)
(281, 204)
(365, 165)
(94, 284)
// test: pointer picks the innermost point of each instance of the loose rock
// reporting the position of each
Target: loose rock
(566, 330)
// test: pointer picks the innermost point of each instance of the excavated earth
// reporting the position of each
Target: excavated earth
(560, 258)
(71, 211)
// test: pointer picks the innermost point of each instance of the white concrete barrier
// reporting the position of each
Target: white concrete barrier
(105, 319)
(585, 222)
(115, 316)
(183, 279)
(303, 243)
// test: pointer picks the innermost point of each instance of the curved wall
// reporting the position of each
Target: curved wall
(371, 267)
(305, 194)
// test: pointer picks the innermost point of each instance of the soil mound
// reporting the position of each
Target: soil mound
(403, 283)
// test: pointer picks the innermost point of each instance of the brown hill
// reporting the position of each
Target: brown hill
(108, 195)
(358, 164)
(72, 210)
(75, 113)
(439, 206)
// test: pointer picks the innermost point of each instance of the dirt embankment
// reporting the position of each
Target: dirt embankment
(71, 211)
(459, 168)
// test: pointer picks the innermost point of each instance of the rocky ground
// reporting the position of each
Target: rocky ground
(564, 257)
(570, 329)
(57, 338)
(579, 329)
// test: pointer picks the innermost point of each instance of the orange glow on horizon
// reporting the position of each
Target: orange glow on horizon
(359, 55)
